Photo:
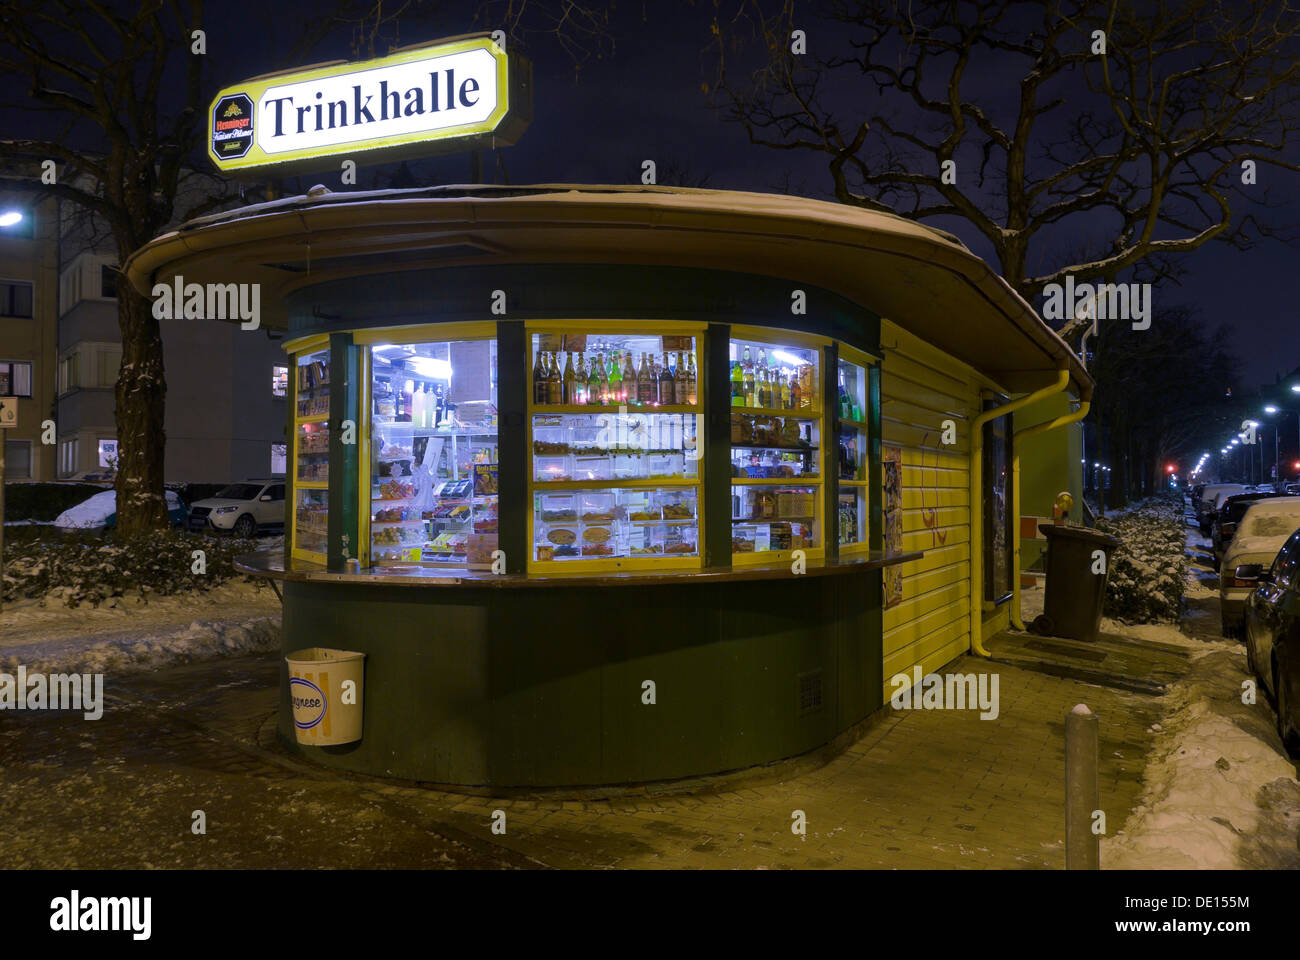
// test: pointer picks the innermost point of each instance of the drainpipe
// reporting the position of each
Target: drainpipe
(977, 501)
(1021, 434)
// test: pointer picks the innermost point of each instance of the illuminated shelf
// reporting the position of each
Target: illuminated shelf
(811, 479)
(798, 413)
(588, 484)
(611, 408)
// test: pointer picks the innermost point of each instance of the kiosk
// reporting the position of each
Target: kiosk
(626, 484)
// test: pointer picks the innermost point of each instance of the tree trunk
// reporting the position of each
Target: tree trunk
(141, 396)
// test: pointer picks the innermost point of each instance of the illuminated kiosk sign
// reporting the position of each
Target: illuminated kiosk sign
(449, 96)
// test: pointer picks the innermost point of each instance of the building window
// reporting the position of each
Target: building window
(15, 298)
(69, 373)
(15, 379)
(108, 453)
(108, 281)
(279, 381)
(998, 562)
(279, 459)
(18, 459)
(69, 457)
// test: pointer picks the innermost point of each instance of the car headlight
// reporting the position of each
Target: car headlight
(225, 510)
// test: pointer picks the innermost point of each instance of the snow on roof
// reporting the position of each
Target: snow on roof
(739, 201)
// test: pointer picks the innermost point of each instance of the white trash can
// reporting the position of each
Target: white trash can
(325, 688)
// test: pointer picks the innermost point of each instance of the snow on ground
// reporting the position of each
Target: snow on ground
(237, 618)
(1219, 793)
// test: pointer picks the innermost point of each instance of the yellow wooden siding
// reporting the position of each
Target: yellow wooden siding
(920, 388)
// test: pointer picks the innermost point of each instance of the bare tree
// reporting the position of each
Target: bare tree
(119, 91)
(1130, 120)
(92, 68)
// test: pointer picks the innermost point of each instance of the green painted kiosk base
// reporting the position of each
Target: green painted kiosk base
(580, 680)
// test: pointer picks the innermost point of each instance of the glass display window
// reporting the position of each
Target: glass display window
(313, 393)
(775, 377)
(614, 369)
(852, 449)
(851, 518)
(310, 516)
(614, 446)
(772, 517)
(616, 523)
(615, 435)
(776, 440)
(433, 459)
(311, 453)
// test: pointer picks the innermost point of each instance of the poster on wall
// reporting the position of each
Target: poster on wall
(892, 464)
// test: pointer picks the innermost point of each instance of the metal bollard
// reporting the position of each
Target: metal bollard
(1082, 795)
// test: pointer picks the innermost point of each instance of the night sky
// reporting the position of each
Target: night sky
(642, 99)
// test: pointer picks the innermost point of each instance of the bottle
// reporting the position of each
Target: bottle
(667, 395)
(580, 382)
(846, 406)
(407, 394)
(679, 380)
(554, 382)
(566, 385)
(439, 406)
(690, 380)
(594, 382)
(764, 389)
(421, 404)
(748, 366)
(646, 389)
(629, 380)
(737, 384)
(806, 385)
(539, 379)
(615, 382)
(794, 392)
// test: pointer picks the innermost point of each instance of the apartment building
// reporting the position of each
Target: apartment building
(60, 350)
(28, 325)
(226, 387)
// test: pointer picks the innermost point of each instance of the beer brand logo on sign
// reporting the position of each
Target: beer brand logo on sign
(433, 99)
(232, 126)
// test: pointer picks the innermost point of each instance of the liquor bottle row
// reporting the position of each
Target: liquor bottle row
(615, 380)
(768, 384)
(420, 404)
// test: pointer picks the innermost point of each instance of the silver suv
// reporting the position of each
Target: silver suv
(243, 508)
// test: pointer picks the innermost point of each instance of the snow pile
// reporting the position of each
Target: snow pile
(93, 514)
(77, 570)
(1148, 569)
(1219, 794)
(136, 650)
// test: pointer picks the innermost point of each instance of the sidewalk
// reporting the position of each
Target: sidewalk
(924, 789)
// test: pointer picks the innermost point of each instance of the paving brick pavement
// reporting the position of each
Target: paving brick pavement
(919, 789)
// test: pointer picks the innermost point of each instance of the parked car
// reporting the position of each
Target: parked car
(1224, 524)
(1266, 526)
(1273, 634)
(1212, 498)
(1292, 489)
(99, 512)
(241, 508)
